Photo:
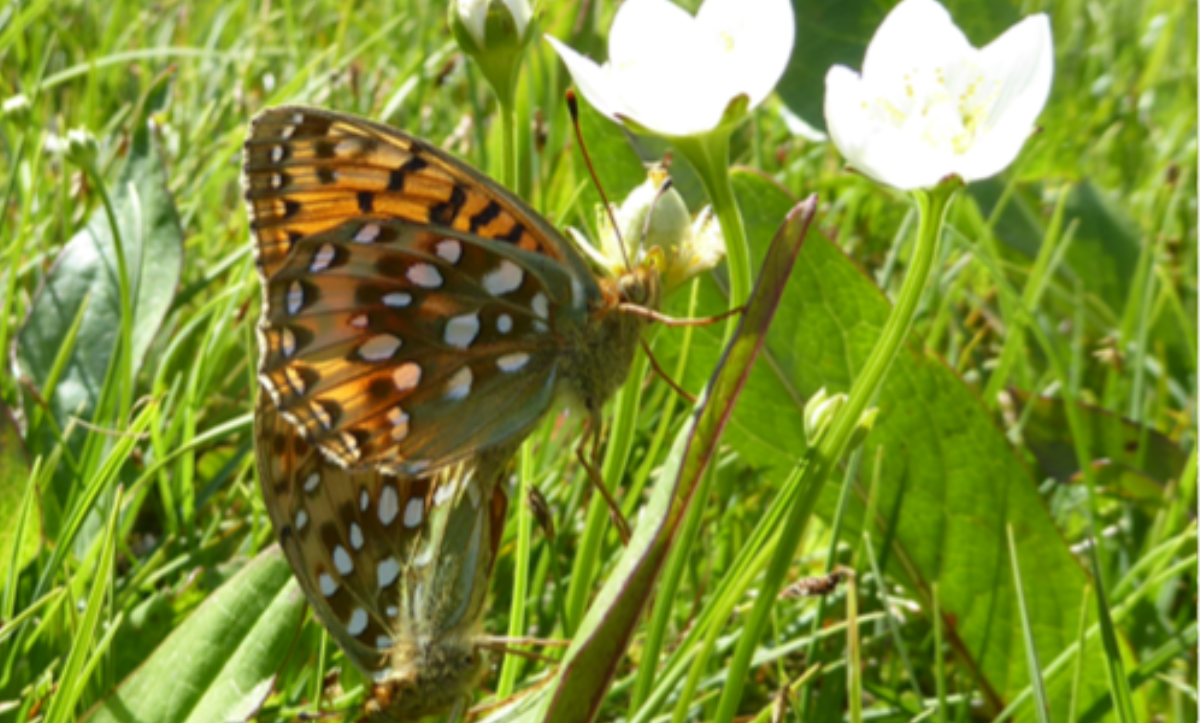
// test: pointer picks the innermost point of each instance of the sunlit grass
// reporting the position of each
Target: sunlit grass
(1073, 276)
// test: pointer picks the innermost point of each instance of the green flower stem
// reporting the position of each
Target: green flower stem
(833, 443)
(709, 155)
(516, 619)
(508, 121)
(620, 442)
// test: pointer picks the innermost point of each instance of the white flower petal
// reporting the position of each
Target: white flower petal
(1022, 60)
(915, 34)
(642, 26)
(473, 14)
(593, 81)
(929, 105)
(521, 12)
(758, 38)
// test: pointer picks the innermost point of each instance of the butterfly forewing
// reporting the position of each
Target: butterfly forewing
(402, 291)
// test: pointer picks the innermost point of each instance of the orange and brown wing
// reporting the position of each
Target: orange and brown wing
(413, 309)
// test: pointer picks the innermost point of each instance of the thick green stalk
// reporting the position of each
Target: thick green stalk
(833, 443)
(709, 155)
(508, 121)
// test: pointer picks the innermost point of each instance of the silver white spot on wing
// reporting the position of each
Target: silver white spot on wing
(356, 536)
(507, 277)
(342, 560)
(321, 414)
(504, 323)
(413, 512)
(380, 347)
(328, 585)
(295, 297)
(406, 376)
(425, 275)
(324, 257)
(459, 385)
(287, 342)
(358, 622)
(367, 234)
(540, 305)
(449, 249)
(389, 505)
(360, 321)
(397, 299)
(399, 420)
(301, 520)
(387, 571)
(311, 481)
(462, 330)
(512, 362)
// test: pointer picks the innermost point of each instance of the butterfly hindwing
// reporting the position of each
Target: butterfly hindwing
(383, 559)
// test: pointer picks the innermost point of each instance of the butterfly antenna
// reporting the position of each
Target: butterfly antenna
(573, 107)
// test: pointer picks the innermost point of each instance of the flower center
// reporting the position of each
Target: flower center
(946, 114)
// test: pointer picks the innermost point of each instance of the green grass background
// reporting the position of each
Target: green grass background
(130, 522)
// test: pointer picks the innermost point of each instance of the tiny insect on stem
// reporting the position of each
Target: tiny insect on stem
(573, 107)
(652, 315)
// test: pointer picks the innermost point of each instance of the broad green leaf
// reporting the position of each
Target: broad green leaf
(14, 486)
(1113, 439)
(220, 664)
(583, 678)
(949, 480)
(85, 273)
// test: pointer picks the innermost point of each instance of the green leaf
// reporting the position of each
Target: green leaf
(227, 653)
(949, 480)
(1113, 439)
(600, 643)
(14, 487)
(86, 273)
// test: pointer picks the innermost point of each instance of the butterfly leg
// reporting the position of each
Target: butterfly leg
(614, 510)
(655, 316)
(665, 377)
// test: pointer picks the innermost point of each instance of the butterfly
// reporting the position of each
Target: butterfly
(396, 568)
(416, 313)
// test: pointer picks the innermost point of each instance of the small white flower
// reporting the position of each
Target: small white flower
(929, 105)
(474, 13)
(676, 75)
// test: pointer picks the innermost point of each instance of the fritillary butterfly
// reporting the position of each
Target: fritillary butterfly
(417, 321)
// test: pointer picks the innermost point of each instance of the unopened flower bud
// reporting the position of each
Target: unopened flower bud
(81, 147)
(494, 33)
(16, 108)
(819, 412)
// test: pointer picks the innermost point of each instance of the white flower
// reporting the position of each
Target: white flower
(676, 75)
(474, 14)
(929, 105)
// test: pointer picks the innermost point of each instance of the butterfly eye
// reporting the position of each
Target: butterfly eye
(633, 289)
